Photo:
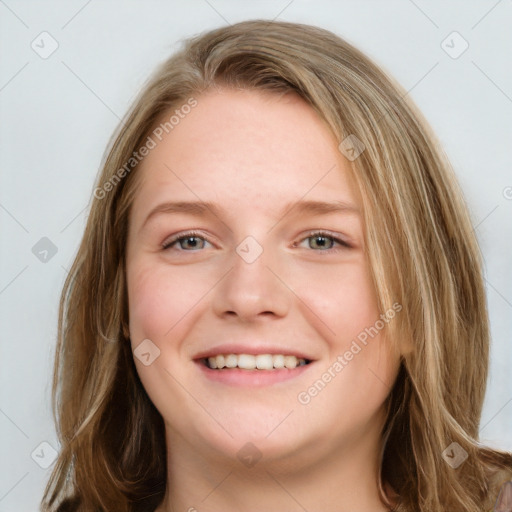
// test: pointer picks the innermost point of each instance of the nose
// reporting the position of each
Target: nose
(252, 290)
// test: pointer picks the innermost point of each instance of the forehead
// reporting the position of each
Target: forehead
(245, 147)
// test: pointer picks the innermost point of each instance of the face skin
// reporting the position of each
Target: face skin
(252, 154)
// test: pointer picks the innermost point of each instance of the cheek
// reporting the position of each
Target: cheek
(147, 304)
(348, 307)
(344, 300)
(159, 298)
(158, 304)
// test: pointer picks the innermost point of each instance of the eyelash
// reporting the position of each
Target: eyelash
(313, 234)
(325, 234)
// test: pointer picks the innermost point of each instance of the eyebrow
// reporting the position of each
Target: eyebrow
(208, 209)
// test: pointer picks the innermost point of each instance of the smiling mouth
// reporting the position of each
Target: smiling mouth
(254, 362)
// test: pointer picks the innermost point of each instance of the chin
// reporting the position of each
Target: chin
(250, 437)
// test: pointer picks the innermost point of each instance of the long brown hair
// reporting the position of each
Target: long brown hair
(421, 249)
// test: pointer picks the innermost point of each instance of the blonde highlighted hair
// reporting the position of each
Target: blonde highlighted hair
(422, 253)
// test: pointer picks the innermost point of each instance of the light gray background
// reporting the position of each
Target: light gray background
(57, 115)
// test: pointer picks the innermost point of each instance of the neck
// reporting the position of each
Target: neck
(342, 479)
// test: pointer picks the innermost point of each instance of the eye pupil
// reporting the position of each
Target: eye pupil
(189, 239)
(316, 241)
(321, 241)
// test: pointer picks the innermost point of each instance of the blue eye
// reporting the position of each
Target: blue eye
(188, 242)
(324, 241)
(318, 241)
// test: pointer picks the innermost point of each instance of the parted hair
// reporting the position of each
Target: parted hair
(421, 249)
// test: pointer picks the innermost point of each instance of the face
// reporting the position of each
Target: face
(246, 253)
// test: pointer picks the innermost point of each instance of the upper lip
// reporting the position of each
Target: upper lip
(253, 349)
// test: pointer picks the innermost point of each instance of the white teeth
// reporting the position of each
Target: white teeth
(231, 361)
(246, 361)
(251, 362)
(278, 361)
(264, 362)
(290, 362)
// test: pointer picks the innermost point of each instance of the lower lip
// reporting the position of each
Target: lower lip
(254, 378)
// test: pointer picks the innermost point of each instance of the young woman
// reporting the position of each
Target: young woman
(278, 301)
